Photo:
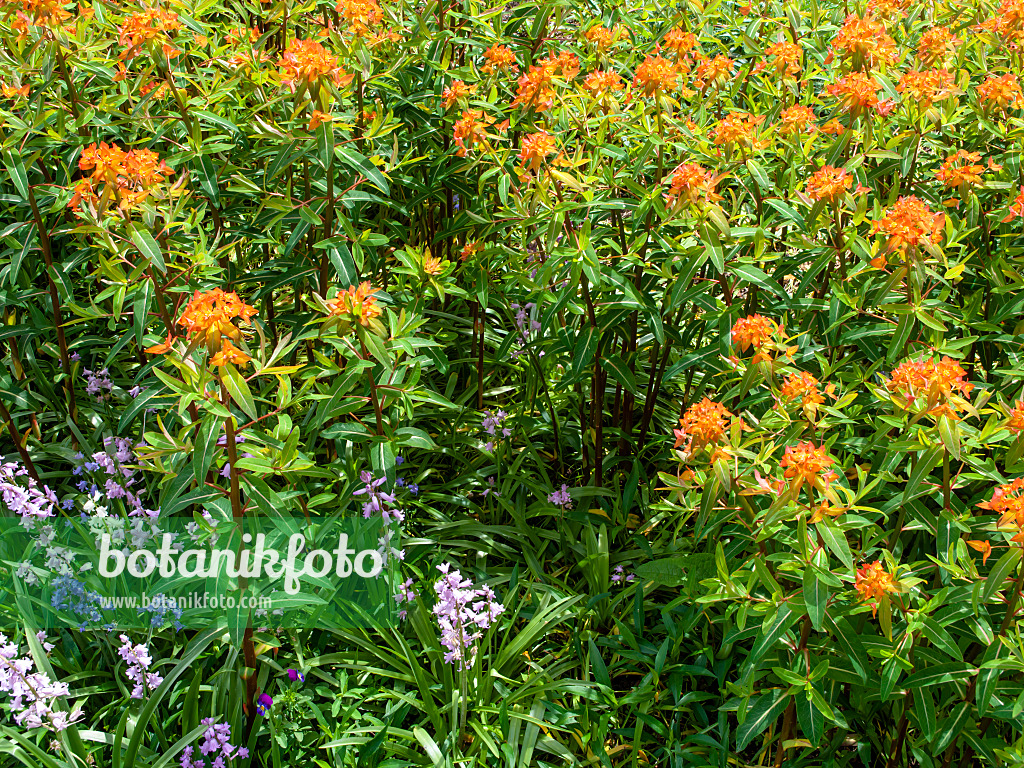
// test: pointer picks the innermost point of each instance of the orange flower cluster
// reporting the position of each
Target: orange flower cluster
(865, 41)
(690, 183)
(856, 91)
(796, 120)
(208, 319)
(229, 353)
(1002, 91)
(828, 183)
(804, 386)
(680, 42)
(535, 149)
(925, 88)
(1016, 421)
(602, 38)
(139, 28)
(601, 83)
(807, 463)
(713, 72)
(655, 75)
(536, 87)
(943, 384)
(787, 58)
(307, 62)
(470, 130)
(126, 178)
(960, 169)
(936, 44)
(703, 424)
(1008, 502)
(873, 583)
(360, 14)
(242, 34)
(14, 92)
(908, 225)
(1016, 208)
(1008, 21)
(356, 303)
(39, 13)
(738, 128)
(499, 58)
(457, 90)
(754, 331)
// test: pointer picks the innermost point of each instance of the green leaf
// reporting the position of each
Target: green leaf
(951, 727)
(924, 711)
(148, 247)
(763, 711)
(239, 390)
(815, 597)
(16, 170)
(207, 174)
(759, 175)
(758, 277)
(1004, 566)
(938, 674)
(618, 370)
(784, 619)
(598, 665)
(204, 447)
(835, 540)
(362, 164)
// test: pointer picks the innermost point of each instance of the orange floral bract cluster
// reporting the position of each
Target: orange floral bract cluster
(306, 61)
(865, 41)
(873, 583)
(960, 169)
(229, 353)
(691, 183)
(703, 424)
(360, 14)
(754, 331)
(828, 183)
(804, 386)
(356, 303)
(209, 315)
(655, 74)
(499, 57)
(807, 463)
(925, 88)
(536, 87)
(535, 149)
(797, 119)
(470, 130)
(908, 225)
(787, 58)
(1008, 502)
(139, 28)
(453, 93)
(120, 177)
(1002, 91)
(856, 91)
(936, 44)
(942, 384)
(738, 128)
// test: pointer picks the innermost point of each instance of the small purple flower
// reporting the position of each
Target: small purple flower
(399, 460)
(414, 489)
(294, 674)
(561, 498)
(263, 705)
(75, 357)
